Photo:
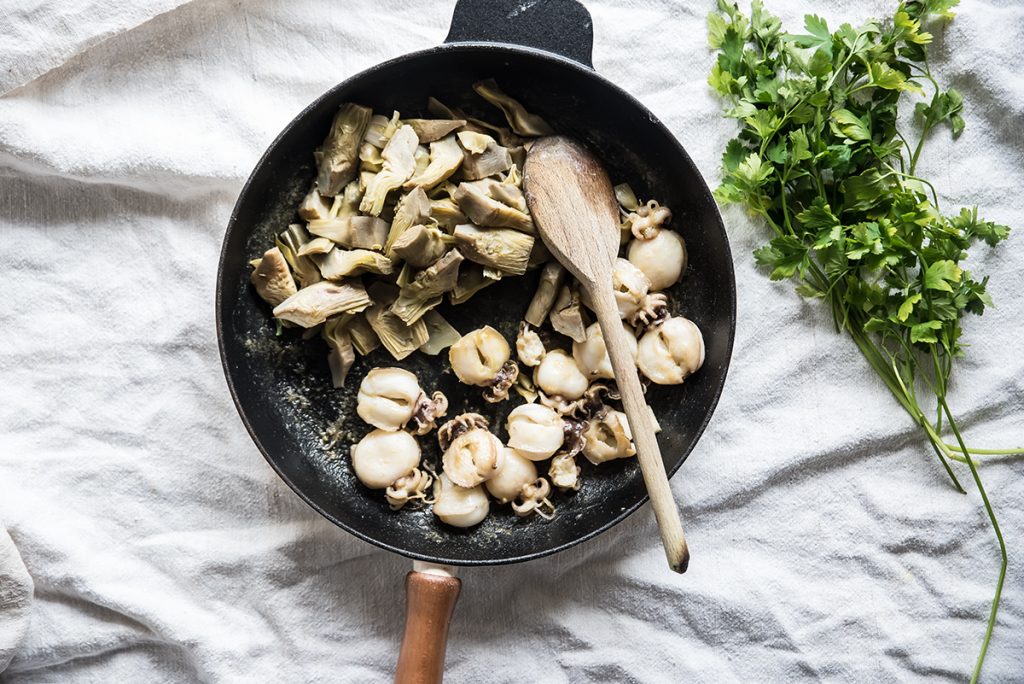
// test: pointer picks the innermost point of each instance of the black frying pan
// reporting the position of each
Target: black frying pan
(540, 53)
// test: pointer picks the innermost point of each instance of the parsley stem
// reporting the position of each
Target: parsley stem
(981, 452)
(999, 537)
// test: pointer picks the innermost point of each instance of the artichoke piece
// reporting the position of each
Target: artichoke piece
(422, 159)
(337, 157)
(474, 142)
(471, 280)
(272, 278)
(314, 206)
(493, 160)
(357, 232)
(319, 245)
(445, 158)
(341, 355)
(314, 304)
(369, 158)
(412, 308)
(405, 275)
(476, 202)
(626, 198)
(521, 121)
(499, 248)
(380, 129)
(347, 202)
(399, 165)
(290, 241)
(518, 154)
(365, 179)
(422, 245)
(447, 213)
(429, 130)
(424, 292)
(508, 193)
(363, 338)
(340, 263)
(441, 110)
(551, 278)
(397, 337)
(441, 334)
(412, 209)
(539, 255)
(567, 315)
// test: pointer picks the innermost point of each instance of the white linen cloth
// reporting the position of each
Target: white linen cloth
(827, 541)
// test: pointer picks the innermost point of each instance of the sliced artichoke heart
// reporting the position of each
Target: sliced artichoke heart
(358, 232)
(337, 158)
(399, 165)
(521, 121)
(499, 248)
(476, 202)
(314, 304)
(340, 263)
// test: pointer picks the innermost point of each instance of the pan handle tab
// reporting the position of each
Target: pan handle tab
(563, 27)
(430, 595)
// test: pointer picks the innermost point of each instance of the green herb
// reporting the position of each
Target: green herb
(821, 157)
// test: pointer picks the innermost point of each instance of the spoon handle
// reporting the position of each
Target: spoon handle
(641, 423)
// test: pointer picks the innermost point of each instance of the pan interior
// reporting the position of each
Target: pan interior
(282, 384)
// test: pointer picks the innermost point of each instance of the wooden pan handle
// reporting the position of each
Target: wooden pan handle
(429, 601)
(641, 424)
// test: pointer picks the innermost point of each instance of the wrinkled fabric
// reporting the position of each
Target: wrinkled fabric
(15, 599)
(828, 544)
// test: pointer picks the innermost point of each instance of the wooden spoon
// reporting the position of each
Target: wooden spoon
(574, 208)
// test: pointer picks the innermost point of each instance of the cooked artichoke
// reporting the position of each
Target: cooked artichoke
(369, 158)
(421, 245)
(337, 158)
(447, 213)
(551, 278)
(626, 198)
(314, 304)
(521, 121)
(475, 142)
(317, 245)
(290, 241)
(471, 280)
(380, 129)
(341, 263)
(445, 157)
(341, 355)
(476, 201)
(314, 206)
(567, 315)
(424, 292)
(399, 165)
(429, 130)
(413, 208)
(347, 202)
(272, 278)
(441, 334)
(500, 248)
(356, 232)
(506, 192)
(397, 337)
(493, 160)
(363, 337)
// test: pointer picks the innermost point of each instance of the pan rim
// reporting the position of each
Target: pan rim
(470, 47)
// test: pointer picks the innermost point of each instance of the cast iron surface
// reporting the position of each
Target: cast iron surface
(282, 386)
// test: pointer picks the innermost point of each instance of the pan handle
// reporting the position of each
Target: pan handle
(430, 595)
(560, 26)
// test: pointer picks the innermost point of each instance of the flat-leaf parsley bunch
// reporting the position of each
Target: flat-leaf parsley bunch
(822, 159)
